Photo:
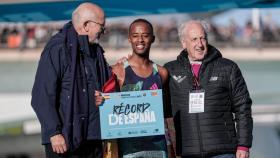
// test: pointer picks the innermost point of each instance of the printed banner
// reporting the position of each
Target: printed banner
(132, 114)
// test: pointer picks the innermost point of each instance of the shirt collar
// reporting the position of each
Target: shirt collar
(195, 62)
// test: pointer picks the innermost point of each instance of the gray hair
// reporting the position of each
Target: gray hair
(184, 26)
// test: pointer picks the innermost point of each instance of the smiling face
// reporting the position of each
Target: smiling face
(195, 41)
(141, 38)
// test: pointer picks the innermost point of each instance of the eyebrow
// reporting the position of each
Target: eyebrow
(141, 33)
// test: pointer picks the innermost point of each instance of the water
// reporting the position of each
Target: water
(262, 78)
(17, 77)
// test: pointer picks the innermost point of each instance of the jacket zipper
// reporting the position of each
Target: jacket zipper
(199, 136)
(198, 122)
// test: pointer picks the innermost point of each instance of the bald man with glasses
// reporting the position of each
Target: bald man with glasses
(72, 66)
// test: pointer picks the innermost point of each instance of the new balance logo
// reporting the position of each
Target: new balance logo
(179, 79)
(213, 78)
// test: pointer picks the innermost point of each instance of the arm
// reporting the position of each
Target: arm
(169, 125)
(110, 86)
(241, 105)
(45, 92)
(166, 93)
(163, 74)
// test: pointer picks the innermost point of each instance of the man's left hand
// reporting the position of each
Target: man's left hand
(121, 60)
(98, 98)
(242, 154)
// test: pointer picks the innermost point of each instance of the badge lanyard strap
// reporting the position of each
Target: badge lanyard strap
(195, 81)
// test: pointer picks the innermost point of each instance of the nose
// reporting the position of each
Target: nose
(140, 39)
(199, 43)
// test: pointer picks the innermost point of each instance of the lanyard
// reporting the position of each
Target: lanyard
(195, 81)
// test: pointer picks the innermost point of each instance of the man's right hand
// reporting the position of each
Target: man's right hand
(58, 144)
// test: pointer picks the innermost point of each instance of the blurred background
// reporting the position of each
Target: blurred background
(247, 32)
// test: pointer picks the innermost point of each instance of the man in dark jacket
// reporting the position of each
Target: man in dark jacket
(210, 102)
(71, 68)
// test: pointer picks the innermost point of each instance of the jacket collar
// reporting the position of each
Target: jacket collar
(89, 49)
(84, 44)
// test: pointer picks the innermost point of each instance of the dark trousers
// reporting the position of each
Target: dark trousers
(90, 149)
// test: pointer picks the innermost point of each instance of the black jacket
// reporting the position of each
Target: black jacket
(61, 96)
(227, 101)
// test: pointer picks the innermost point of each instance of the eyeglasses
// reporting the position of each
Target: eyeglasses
(103, 29)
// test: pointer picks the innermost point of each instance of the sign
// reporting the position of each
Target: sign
(132, 114)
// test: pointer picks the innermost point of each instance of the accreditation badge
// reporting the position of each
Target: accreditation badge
(196, 101)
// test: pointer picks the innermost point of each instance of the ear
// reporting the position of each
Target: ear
(86, 26)
(153, 39)
(129, 39)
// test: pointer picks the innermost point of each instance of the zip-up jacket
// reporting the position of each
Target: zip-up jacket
(227, 101)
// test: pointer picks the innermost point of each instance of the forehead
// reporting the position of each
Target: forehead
(140, 26)
(100, 19)
(194, 30)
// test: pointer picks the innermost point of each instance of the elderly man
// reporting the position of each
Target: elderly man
(210, 102)
(71, 68)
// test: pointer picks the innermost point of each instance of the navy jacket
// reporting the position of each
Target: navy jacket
(61, 93)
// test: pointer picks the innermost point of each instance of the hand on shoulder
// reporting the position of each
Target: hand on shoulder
(118, 69)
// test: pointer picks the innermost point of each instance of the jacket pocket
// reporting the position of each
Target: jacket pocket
(80, 126)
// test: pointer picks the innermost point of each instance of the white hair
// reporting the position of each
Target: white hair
(83, 13)
(184, 26)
